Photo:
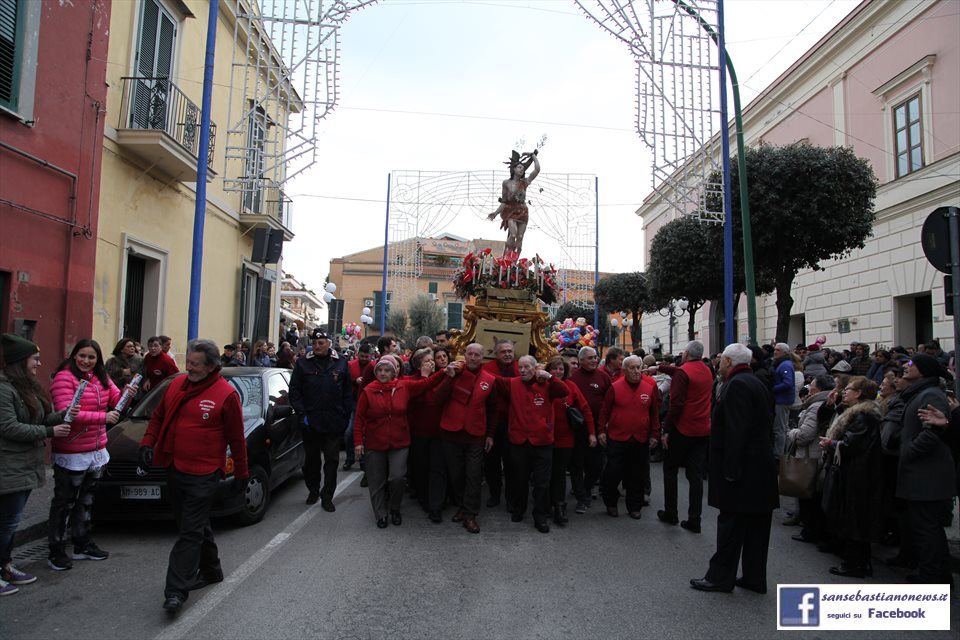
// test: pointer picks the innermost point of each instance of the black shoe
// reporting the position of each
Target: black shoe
(363, 481)
(668, 519)
(563, 514)
(382, 523)
(749, 587)
(313, 497)
(646, 501)
(396, 518)
(636, 515)
(173, 603)
(458, 516)
(206, 579)
(435, 517)
(516, 517)
(89, 551)
(493, 501)
(848, 572)
(542, 527)
(347, 466)
(58, 560)
(327, 504)
(802, 538)
(691, 525)
(557, 517)
(703, 584)
(612, 512)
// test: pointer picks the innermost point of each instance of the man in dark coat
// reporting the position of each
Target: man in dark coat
(926, 475)
(321, 392)
(743, 476)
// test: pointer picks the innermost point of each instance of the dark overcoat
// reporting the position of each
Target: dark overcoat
(743, 471)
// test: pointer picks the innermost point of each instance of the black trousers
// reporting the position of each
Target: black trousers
(811, 515)
(497, 469)
(928, 538)
(427, 470)
(594, 463)
(627, 462)
(558, 475)
(691, 454)
(321, 457)
(746, 535)
(465, 466)
(531, 463)
(195, 550)
(578, 460)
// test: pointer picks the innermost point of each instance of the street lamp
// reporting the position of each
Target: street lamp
(627, 324)
(366, 319)
(674, 310)
(614, 323)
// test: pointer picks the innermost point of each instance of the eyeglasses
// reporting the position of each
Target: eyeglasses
(850, 389)
(909, 363)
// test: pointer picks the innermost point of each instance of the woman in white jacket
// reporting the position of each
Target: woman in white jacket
(804, 442)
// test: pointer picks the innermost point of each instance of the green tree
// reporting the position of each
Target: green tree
(807, 204)
(425, 317)
(629, 293)
(686, 261)
(397, 323)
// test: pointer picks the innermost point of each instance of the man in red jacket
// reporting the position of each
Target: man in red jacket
(157, 365)
(189, 431)
(686, 433)
(496, 463)
(629, 427)
(530, 432)
(468, 424)
(593, 383)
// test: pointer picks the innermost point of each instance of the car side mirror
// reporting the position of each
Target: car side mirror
(282, 411)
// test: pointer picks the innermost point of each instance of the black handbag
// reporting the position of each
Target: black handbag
(578, 423)
(832, 502)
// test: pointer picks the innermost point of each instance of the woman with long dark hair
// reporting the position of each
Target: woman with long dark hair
(125, 362)
(27, 419)
(79, 458)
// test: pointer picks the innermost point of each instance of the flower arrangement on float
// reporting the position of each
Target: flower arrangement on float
(570, 334)
(481, 271)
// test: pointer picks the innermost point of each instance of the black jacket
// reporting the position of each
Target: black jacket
(926, 470)
(743, 471)
(857, 434)
(321, 392)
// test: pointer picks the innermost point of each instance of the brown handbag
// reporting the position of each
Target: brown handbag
(798, 476)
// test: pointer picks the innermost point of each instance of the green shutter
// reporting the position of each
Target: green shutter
(11, 51)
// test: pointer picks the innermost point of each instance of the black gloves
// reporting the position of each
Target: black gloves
(145, 458)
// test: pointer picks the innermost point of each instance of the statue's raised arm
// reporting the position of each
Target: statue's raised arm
(513, 200)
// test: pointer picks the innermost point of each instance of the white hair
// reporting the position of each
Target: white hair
(783, 346)
(738, 353)
(530, 359)
(629, 360)
(585, 351)
(694, 349)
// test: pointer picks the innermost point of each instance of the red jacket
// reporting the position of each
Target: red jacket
(88, 431)
(155, 370)
(381, 421)
(594, 386)
(563, 436)
(691, 394)
(631, 411)
(470, 407)
(531, 408)
(193, 424)
(513, 371)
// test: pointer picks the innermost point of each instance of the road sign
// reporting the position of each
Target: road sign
(935, 238)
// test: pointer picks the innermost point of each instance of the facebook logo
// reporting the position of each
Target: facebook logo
(800, 607)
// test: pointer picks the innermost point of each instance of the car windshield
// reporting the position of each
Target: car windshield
(250, 389)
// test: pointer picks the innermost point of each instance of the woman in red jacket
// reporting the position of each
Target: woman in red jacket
(565, 437)
(427, 466)
(79, 458)
(382, 433)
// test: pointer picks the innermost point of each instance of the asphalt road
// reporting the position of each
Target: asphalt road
(305, 573)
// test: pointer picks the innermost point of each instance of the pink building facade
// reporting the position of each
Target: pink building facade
(884, 82)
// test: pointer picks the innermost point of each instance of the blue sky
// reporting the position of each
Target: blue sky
(453, 85)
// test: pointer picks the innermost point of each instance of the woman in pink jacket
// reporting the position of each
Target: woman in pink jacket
(78, 459)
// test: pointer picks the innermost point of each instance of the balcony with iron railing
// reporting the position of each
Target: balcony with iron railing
(267, 207)
(159, 123)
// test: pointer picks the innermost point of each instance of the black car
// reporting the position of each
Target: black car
(274, 451)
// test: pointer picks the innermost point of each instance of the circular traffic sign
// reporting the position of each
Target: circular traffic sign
(935, 238)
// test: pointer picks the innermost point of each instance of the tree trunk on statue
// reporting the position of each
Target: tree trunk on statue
(784, 306)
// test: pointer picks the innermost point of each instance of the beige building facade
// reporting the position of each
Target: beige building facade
(148, 186)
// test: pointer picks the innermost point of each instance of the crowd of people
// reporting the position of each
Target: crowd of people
(434, 427)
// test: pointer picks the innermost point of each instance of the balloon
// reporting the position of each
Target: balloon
(330, 288)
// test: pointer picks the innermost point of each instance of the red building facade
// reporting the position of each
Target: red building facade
(52, 101)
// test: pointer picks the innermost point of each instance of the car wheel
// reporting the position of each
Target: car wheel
(256, 497)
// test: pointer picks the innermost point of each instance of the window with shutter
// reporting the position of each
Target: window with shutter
(153, 64)
(11, 51)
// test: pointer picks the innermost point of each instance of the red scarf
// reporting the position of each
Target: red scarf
(172, 404)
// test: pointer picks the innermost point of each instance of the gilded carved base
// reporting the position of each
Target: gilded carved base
(509, 314)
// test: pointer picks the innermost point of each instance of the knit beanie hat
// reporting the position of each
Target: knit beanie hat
(16, 348)
(930, 366)
(649, 361)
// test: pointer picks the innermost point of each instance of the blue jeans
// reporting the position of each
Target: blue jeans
(11, 508)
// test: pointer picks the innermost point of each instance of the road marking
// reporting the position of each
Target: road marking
(214, 596)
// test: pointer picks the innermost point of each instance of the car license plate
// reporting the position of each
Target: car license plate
(140, 492)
